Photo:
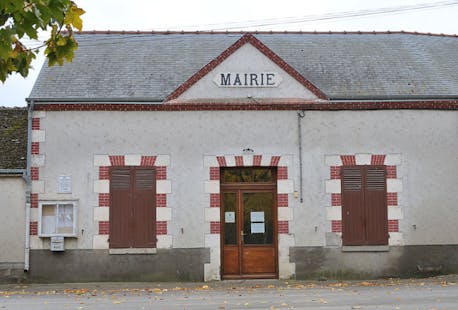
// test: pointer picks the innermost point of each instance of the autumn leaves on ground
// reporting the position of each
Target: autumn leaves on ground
(432, 293)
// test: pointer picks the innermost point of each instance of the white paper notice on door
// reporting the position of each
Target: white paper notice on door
(257, 216)
(229, 217)
(257, 228)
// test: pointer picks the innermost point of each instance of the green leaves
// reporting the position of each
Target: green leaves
(21, 20)
(73, 17)
(60, 48)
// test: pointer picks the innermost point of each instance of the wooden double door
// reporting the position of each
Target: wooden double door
(249, 226)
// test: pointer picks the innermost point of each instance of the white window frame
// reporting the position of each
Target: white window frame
(57, 203)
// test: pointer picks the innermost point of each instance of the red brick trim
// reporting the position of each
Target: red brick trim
(393, 225)
(33, 229)
(282, 173)
(104, 173)
(239, 161)
(250, 106)
(214, 173)
(104, 200)
(35, 148)
(161, 200)
(335, 172)
(161, 228)
(104, 227)
(117, 160)
(35, 173)
(348, 160)
(36, 123)
(257, 160)
(215, 200)
(391, 172)
(215, 227)
(34, 200)
(221, 161)
(274, 161)
(147, 161)
(282, 200)
(161, 173)
(377, 159)
(336, 200)
(246, 38)
(283, 227)
(336, 226)
(392, 199)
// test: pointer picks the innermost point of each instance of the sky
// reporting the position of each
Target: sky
(250, 15)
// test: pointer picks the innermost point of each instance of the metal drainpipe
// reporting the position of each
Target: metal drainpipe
(28, 187)
(300, 115)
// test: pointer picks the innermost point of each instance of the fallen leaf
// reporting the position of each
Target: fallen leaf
(323, 301)
(356, 307)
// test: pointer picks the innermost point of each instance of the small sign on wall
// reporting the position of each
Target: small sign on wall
(229, 217)
(64, 184)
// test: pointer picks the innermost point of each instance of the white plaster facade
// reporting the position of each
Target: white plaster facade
(188, 141)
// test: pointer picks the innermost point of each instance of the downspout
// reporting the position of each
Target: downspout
(28, 186)
(300, 115)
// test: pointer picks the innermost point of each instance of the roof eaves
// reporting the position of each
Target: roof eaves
(123, 100)
(395, 98)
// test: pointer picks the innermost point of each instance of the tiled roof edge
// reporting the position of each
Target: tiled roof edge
(128, 32)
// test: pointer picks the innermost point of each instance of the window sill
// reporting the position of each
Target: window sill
(366, 248)
(133, 251)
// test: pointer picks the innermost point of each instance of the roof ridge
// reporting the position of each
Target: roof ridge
(129, 32)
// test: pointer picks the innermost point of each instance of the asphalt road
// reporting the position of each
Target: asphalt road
(435, 293)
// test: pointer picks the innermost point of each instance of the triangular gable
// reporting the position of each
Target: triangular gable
(260, 47)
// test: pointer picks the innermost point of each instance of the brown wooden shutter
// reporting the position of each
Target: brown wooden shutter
(352, 206)
(120, 206)
(132, 207)
(364, 209)
(144, 212)
(375, 206)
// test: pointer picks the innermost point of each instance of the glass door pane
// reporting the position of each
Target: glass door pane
(229, 218)
(258, 218)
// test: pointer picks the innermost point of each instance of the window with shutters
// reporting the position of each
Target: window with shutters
(364, 208)
(132, 207)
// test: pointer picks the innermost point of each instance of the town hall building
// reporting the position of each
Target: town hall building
(224, 155)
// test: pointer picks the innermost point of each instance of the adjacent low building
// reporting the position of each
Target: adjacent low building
(209, 156)
(13, 164)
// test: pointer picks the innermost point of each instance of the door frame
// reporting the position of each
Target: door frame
(239, 189)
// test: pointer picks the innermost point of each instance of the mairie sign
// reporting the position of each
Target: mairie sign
(247, 79)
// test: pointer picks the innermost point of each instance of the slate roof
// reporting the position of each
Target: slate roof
(13, 138)
(150, 66)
